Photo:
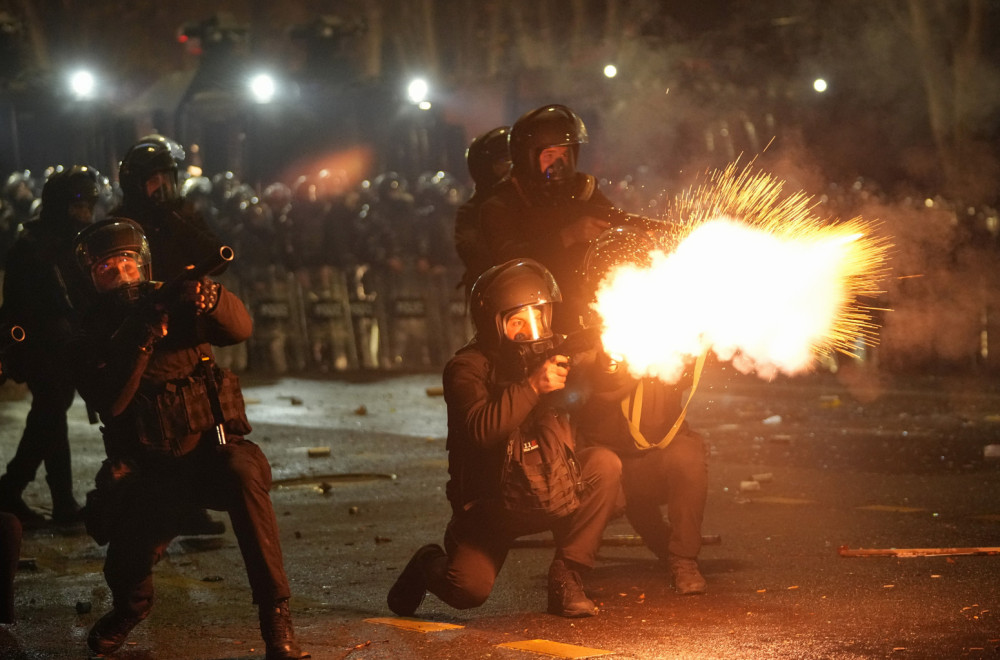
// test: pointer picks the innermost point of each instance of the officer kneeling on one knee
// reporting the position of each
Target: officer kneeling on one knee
(499, 398)
(173, 427)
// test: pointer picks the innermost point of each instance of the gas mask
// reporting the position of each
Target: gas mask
(527, 338)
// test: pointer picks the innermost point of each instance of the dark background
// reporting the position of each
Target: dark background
(911, 103)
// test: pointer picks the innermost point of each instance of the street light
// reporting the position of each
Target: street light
(610, 71)
(418, 90)
(263, 88)
(819, 85)
(83, 84)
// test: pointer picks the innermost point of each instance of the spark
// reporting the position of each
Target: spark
(752, 274)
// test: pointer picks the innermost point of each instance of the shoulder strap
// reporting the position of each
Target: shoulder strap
(632, 409)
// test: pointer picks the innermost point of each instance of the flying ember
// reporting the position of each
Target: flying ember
(757, 279)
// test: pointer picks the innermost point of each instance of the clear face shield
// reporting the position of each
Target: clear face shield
(557, 164)
(528, 331)
(122, 272)
(162, 187)
(528, 324)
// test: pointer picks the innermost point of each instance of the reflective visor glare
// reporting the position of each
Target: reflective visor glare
(527, 323)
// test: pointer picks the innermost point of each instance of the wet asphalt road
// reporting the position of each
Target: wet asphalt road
(840, 460)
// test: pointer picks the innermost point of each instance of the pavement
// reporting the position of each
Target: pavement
(799, 467)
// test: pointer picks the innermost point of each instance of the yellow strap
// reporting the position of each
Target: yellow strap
(632, 409)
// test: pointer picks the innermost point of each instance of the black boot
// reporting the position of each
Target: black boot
(110, 631)
(566, 595)
(66, 511)
(279, 636)
(408, 591)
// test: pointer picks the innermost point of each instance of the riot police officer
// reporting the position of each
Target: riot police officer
(547, 209)
(178, 236)
(19, 193)
(488, 160)
(494, 394)
(438, 196)
(174, 428)
(43, 292)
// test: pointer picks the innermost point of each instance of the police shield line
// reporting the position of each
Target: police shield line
(337, 277)
(345, 278)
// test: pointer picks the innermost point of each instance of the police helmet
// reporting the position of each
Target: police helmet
(488, 157)
(19, 190)
(505, 289)
(277, 195)
(65, 188)
(112, 237)
(548, 126)
(389, 185)
(151, 155)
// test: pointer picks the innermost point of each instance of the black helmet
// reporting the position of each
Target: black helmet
(488, 157)
(438, 189)
(19, 190)
(506, 288)
(197, 188)
(111, 237)
(152, 154)
(548, 126)
(277, 196)
(66, 187)
(389, 185)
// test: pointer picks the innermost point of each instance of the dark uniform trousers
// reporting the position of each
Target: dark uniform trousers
(477, 539)
(236, 478)
(10, 552)
(677, 476)
(46, 437)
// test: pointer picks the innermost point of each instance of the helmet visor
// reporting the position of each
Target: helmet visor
(557, 163)
(161, 187)
(118, 270)
(528, 323)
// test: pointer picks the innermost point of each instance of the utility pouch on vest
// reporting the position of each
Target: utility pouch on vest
(541, 477)
(171, 420)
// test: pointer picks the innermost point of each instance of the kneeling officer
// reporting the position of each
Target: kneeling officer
(173, 427)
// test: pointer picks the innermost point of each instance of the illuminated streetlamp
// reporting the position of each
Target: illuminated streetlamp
(819, 85)
(263, 88)
(610, 71)
(418, 91)
(83, 84)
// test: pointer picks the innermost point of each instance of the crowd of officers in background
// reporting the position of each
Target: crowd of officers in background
(343, 276)
(338, 277)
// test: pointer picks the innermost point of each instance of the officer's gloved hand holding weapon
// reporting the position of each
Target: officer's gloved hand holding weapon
(149, 321)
